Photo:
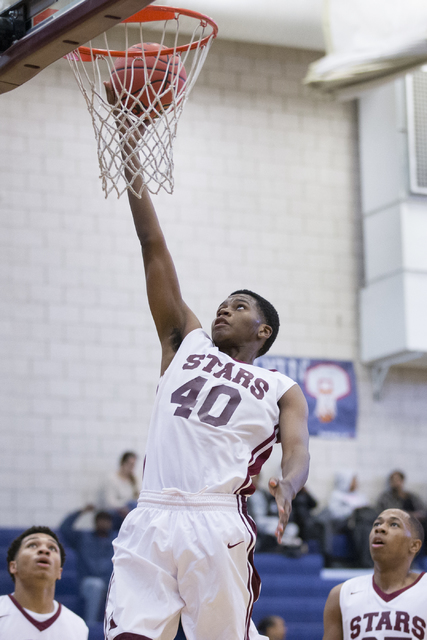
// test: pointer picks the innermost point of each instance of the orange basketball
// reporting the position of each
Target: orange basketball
(144, 84)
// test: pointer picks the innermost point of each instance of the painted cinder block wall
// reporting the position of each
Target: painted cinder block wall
(266, 197)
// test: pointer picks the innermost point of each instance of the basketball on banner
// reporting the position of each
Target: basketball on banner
(327, 383)
(329, 388)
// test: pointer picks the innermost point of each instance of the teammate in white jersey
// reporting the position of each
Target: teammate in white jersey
(391, 604)
(35, 561)
(187, 549)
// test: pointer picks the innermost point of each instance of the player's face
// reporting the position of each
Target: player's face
(38, 558)
(391, 535)
(238, 321)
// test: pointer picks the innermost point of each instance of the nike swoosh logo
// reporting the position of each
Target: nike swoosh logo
(230, 546)
(353, 592)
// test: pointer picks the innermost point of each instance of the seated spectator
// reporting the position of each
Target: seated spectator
(397, 497)
(262, 507)
(345, 497)
(349, 512)
(120, 491)
(273, 627)
(34, 561)
(302, 506)
(94, 551)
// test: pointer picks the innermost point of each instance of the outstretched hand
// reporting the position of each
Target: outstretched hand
(124, 123)
(282, 493)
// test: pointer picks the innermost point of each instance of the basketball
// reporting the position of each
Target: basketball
(148, 85)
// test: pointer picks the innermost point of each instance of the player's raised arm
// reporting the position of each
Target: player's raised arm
(332, 618)
(172, 317)
(295, 456)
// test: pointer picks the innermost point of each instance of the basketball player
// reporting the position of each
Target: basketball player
(35, 561)
(392, 603)
(187, 549)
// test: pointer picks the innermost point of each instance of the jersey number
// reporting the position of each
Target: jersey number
(186, 397)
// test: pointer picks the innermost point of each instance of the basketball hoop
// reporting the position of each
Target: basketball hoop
(165, 73)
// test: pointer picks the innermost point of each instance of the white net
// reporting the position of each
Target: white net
(150, 91)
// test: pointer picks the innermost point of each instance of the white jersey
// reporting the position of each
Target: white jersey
(17, 623)
(370, 614)
(214, 421)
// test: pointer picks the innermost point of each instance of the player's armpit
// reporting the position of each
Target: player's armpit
(332, 618)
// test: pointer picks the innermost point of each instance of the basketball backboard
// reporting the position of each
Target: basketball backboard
(35, 33)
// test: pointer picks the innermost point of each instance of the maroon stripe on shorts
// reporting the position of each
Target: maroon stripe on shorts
(254, 581)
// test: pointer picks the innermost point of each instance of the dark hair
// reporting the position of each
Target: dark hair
(13, 550)
(103, 515)
(416, 528)
(266, 623)
(270, 314)
(126, 455)
(398, 473)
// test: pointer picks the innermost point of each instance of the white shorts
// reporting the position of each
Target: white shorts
(184, 555)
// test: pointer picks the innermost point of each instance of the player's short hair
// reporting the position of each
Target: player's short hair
(416, 528)
(13, 550)
(270, 315)
(266, 623)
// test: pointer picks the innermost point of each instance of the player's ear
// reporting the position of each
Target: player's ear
(264, 331)
(59, 576)
(12, 567)
(415, 546)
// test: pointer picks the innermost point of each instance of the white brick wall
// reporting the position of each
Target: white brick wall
(266, 197)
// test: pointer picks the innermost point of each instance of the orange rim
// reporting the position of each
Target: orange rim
(154, 14)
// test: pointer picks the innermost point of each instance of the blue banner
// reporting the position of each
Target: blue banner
(330, 390)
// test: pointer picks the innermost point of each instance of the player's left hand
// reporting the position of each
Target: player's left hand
(283, 494)
(123, 122)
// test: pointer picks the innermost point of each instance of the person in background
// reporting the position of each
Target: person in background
(397, 497)
(34, 561)
(349, 512)
(120, 492)
(302, 507)
(94, 551)
(273, 627)
(345, 497)
(262, 508)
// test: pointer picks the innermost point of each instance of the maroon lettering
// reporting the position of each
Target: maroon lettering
(213, 362)
(370, 617)
(186, 396)
(259, 388)
(226, 372)
(418, 630)
(227, 412)
(193, 361)
(243, 377)
(384, 621)
(402, 620)
(355, 627)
